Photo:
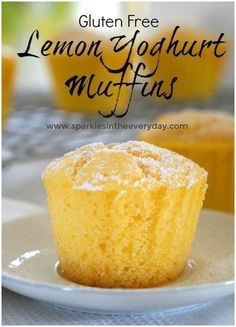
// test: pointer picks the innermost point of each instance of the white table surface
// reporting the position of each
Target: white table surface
(19, 310)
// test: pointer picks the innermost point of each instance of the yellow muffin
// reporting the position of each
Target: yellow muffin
(123, 214)
(8, 70)
(198, 77)
(209, 141)
(63, 67)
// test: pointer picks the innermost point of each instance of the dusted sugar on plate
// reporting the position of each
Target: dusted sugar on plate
(208, 140)
(123, 214)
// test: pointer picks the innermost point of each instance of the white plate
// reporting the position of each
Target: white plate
(29, 268)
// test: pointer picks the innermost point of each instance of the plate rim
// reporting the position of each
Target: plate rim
(78, 287)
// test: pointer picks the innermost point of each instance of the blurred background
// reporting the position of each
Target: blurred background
(48, 18)
(31, 87)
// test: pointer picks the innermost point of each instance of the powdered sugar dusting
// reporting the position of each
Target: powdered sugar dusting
(53, 166)
(131, 164)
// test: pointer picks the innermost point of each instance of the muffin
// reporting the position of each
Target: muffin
(63, 67)
(198, 77)
(8, 70)
(123, 214)
(208, 141)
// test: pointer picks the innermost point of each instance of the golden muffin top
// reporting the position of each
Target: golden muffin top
(203, 126)
(118, 166)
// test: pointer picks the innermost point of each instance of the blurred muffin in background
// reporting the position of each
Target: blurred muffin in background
(63, 67)
(198, 77)
(209, 141)
(8, 72)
